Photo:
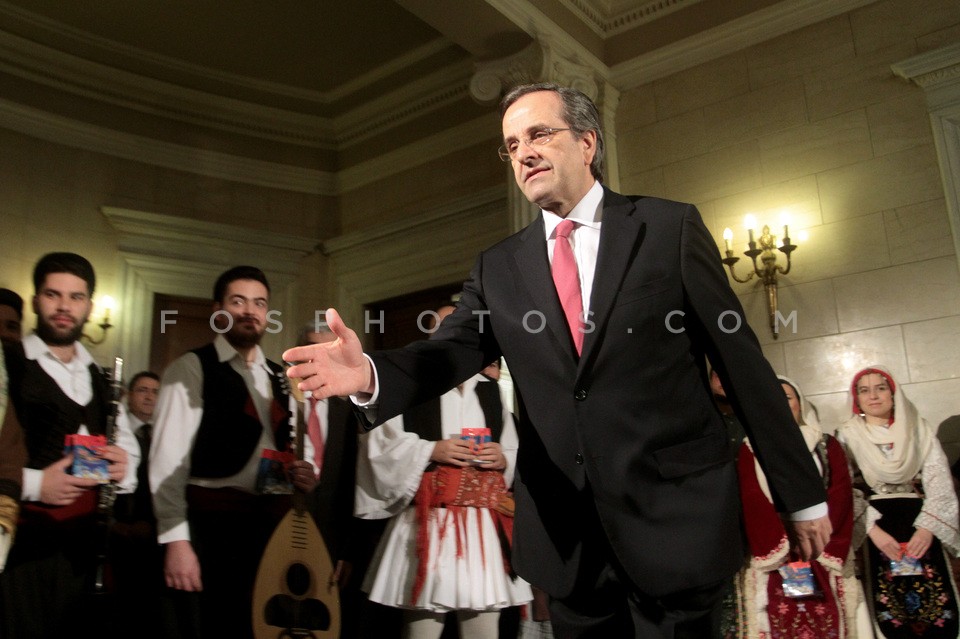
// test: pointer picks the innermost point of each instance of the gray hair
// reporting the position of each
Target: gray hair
(578, 112)
(311, 327)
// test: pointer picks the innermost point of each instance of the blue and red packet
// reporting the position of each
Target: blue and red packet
(798, 580)
(87, 462)
(478, 436)
(272, 478)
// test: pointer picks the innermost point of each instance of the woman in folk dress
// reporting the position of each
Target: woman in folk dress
(901, 468)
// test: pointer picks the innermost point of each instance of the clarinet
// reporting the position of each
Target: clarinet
(108, 492)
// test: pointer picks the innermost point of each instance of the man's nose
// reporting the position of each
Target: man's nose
(526, 151)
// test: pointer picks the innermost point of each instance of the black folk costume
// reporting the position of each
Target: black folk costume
(51, 566)
(215, 415)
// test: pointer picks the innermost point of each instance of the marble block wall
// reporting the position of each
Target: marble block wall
(815, 124)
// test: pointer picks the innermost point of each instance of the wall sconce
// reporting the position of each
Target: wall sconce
(767, 270)
(107, 303)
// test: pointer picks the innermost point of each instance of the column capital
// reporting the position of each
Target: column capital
(541, 61)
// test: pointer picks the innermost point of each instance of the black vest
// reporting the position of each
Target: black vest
(46, 414)
(230, 427)
(425, 420)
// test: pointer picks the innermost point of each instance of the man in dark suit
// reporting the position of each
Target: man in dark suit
(627, 504)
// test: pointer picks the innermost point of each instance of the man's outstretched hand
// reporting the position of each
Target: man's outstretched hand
(332, 369)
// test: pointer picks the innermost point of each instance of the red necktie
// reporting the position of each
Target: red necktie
(567, 281)
(315, 434)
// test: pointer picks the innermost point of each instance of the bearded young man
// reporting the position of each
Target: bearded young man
(220, 408)
(57, 390)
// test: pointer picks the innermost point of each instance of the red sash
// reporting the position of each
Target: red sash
(456, 489)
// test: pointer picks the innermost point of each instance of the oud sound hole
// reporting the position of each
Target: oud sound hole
(298, 579)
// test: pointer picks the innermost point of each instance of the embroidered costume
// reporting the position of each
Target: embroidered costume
(446, 547)
(764, 610)
(903, 471)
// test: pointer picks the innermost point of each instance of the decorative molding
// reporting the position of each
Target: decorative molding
(538, 62)
(368, 121)
(938, 74)
(604, 24)
(89, 137)
(182, 256)
(136, 148)
(540, 27)
(49, 67)
(552, 56)
(455, 208)
(426, 149)
(560, 65)
(53, 68)
(174, 237)
(733, 36)
(177, 66)
(933, 69)
(492, 78)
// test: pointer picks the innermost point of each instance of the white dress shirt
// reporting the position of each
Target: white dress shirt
(74, 380)
(177, 419)
(585, 238)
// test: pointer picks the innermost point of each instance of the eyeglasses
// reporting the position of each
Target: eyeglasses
(539, 138)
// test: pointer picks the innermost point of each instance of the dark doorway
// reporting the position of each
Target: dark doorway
(400, 314)
(177, 324)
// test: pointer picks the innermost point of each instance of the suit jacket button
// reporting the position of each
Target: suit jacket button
(580, 395)
(579, 459)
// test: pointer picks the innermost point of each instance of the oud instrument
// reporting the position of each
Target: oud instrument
(295, 595)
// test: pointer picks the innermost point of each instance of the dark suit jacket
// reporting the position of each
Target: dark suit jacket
(331, 502)
(628, 430)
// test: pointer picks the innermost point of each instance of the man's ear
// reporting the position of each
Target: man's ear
(588, 140)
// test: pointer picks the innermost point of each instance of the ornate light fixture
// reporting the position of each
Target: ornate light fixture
(768, 268)
(106, 302)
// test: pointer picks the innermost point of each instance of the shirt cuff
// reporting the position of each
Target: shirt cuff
(32, 484)
(368, 403)
(813, 512)
(363, 400)
(179, 532)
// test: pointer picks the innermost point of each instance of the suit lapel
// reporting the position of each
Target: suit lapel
(620, 236)
(534, 271)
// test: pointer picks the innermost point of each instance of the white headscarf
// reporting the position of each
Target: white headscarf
(907, 437)
(809, 418)
(809, 427)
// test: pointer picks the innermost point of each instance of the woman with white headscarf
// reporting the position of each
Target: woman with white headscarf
(901, 468)
(765, 607)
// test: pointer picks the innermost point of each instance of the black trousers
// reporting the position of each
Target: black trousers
(614, 610)
(229, 531)
(605, 604)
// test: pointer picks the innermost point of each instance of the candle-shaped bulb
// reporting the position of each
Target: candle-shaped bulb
(727, 236)
(107, 303)
(750, 222)
(785, 220)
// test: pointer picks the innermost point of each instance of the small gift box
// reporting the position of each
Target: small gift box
(87, 462)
